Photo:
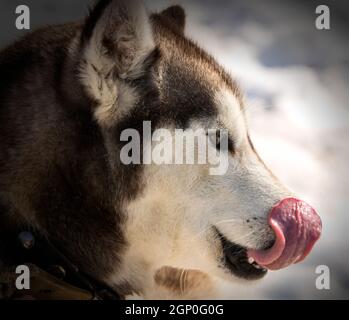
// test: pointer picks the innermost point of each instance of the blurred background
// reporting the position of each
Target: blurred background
(296, 80)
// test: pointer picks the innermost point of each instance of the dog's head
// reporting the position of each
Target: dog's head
(232, 219)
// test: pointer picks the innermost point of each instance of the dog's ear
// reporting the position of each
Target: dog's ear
(176, 16)
(116, 45)
(118, 32)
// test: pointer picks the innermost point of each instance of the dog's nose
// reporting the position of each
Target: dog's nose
(297, 227)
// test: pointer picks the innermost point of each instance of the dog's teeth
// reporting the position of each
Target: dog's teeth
(250, 260)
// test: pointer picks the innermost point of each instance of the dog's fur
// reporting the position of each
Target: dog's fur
(66, 94)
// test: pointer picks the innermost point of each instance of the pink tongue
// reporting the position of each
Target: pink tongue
(297, 227)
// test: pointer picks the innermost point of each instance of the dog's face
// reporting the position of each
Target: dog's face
(140, 68)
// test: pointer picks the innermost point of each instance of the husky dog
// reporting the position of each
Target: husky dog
(67, 93)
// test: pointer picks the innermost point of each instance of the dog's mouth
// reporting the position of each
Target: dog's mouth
(236, 260)
(296, 227)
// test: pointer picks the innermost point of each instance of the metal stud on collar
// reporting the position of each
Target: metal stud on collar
(26, 239)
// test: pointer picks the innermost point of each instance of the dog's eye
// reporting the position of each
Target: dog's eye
(218, 139)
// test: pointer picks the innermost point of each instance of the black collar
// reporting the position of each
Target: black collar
(53, 273)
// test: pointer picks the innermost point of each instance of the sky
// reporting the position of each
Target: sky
(296, 81)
